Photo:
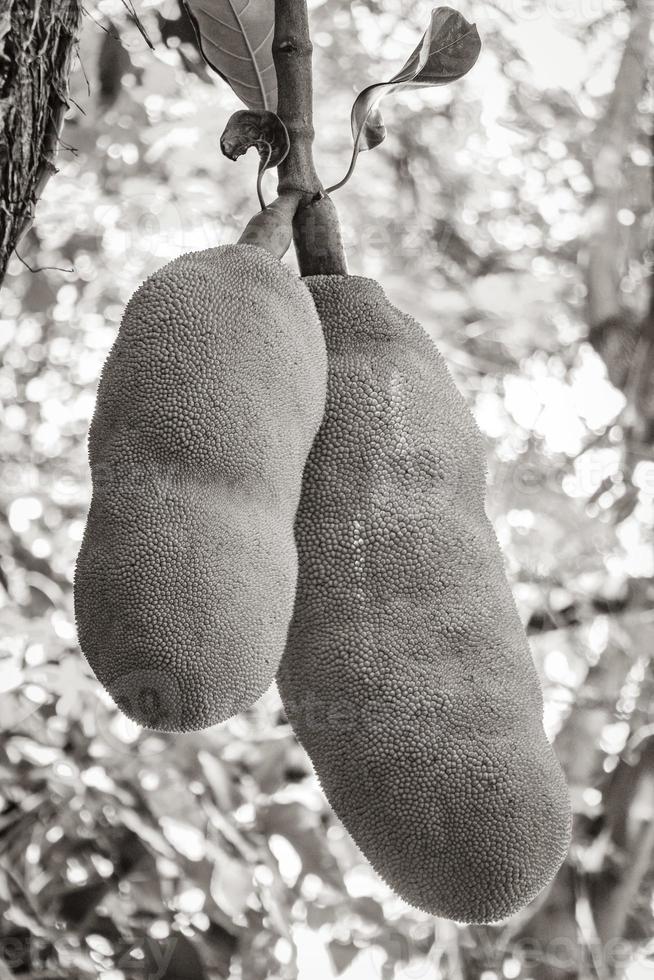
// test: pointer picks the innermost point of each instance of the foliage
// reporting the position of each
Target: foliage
(123, 852)
(237, 43)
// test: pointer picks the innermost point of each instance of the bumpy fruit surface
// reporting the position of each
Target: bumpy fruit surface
(207, 408)
(407, 675)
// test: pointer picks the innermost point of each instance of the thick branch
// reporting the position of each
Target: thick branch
(35, 57)
(292, 51)
(316, 227)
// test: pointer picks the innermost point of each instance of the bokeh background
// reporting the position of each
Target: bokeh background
(511, 213)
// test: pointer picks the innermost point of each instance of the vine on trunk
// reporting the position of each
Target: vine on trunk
(35, 58)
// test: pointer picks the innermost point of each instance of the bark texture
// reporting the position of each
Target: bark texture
(37, 42)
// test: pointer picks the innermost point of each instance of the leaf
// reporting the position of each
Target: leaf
(231, 885)
(185, 838)
(374, 131)
(342, 955)
(235, 38)
(216, 774)
(262, 129)
(33, 752)
(447, 52)
(151, 837)
(175, 958)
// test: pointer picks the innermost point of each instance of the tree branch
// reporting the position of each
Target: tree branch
(316, 227)
(292, 51)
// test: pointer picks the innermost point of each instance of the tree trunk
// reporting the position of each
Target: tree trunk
(37, 42)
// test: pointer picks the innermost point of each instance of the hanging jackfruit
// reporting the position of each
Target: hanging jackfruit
(407, 675)
(206, 411)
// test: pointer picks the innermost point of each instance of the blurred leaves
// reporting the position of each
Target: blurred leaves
(119, 845)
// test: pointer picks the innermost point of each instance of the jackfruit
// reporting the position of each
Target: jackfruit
(407, 675)
(206, 411)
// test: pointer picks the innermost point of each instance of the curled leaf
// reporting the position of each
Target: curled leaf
(447, 52)
(262, 129)
(235, 38)
(374, 131)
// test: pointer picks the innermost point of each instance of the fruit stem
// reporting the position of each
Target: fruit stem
(318, 241)
(272, 228)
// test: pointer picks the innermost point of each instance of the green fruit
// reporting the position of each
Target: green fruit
(206, 411)
(407, 675)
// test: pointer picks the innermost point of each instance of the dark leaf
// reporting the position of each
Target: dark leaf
(181, 34)
(235, 38)
(78, 904)
(113, 62)
(217, 947)
(216, 774)
(262, 129)
(342, 955)
(176, 958)
(374, 131)
(368, 909)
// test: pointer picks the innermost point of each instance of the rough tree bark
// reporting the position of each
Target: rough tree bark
(37, 41)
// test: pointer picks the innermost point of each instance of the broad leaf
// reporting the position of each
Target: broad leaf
(235, 38)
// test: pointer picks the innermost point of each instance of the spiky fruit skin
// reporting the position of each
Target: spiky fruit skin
(206, 411)
(407, 675)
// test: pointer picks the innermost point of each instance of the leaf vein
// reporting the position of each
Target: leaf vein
(217, 20)
(238, 15)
